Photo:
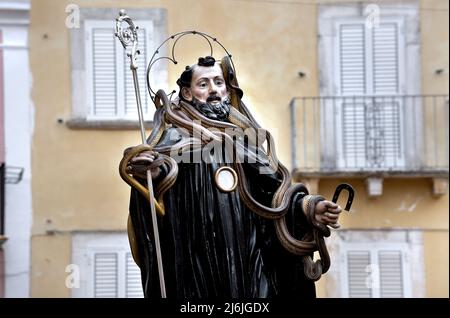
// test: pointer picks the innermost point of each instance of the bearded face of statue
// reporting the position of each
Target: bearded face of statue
(208, 92)
(207, 85)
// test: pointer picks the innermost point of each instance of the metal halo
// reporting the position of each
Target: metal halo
(172, 58)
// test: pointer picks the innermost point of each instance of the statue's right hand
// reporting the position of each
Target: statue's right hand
(139, 164)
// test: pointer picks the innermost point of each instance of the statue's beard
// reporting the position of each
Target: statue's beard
(219, 111)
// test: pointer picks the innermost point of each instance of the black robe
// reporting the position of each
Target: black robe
(212, 244)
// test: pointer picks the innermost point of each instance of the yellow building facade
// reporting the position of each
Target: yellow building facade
(399, 219)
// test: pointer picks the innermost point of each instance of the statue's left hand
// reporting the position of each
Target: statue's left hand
(327, 213)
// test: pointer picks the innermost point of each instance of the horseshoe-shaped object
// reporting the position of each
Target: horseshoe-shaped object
(351, 194)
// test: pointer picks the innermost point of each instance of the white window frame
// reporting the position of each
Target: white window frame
(82, 116)
(374, 277)
(410, 242)
(122, 66)
(84, 248)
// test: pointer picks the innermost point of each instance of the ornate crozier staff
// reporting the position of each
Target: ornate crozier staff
(128, 37)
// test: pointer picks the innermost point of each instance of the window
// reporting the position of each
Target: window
(376, 264)
(372, 271)
(109, 85)
(369, 69)
(102, 82)
(369, 63)
(106, 266)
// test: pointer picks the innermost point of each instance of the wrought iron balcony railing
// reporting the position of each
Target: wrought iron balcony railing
(405, 134)
(8, 174)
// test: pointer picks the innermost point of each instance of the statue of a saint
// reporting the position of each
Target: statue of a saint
(233, 224)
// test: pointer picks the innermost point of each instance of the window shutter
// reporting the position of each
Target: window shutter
(105, 275)
(354, 132)
(383, 133)
(104, 72)
(110, 86)
(391, 274)
(133, 278)
(385, 59)
(352, 79)
(107, 268)
(375, 273)
(116, 275)
(383, 115)
(352, 58)
(369, 58)
(371, 124)
(357, 264)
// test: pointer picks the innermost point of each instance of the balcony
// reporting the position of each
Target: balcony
(372, 137)
(12, 175)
